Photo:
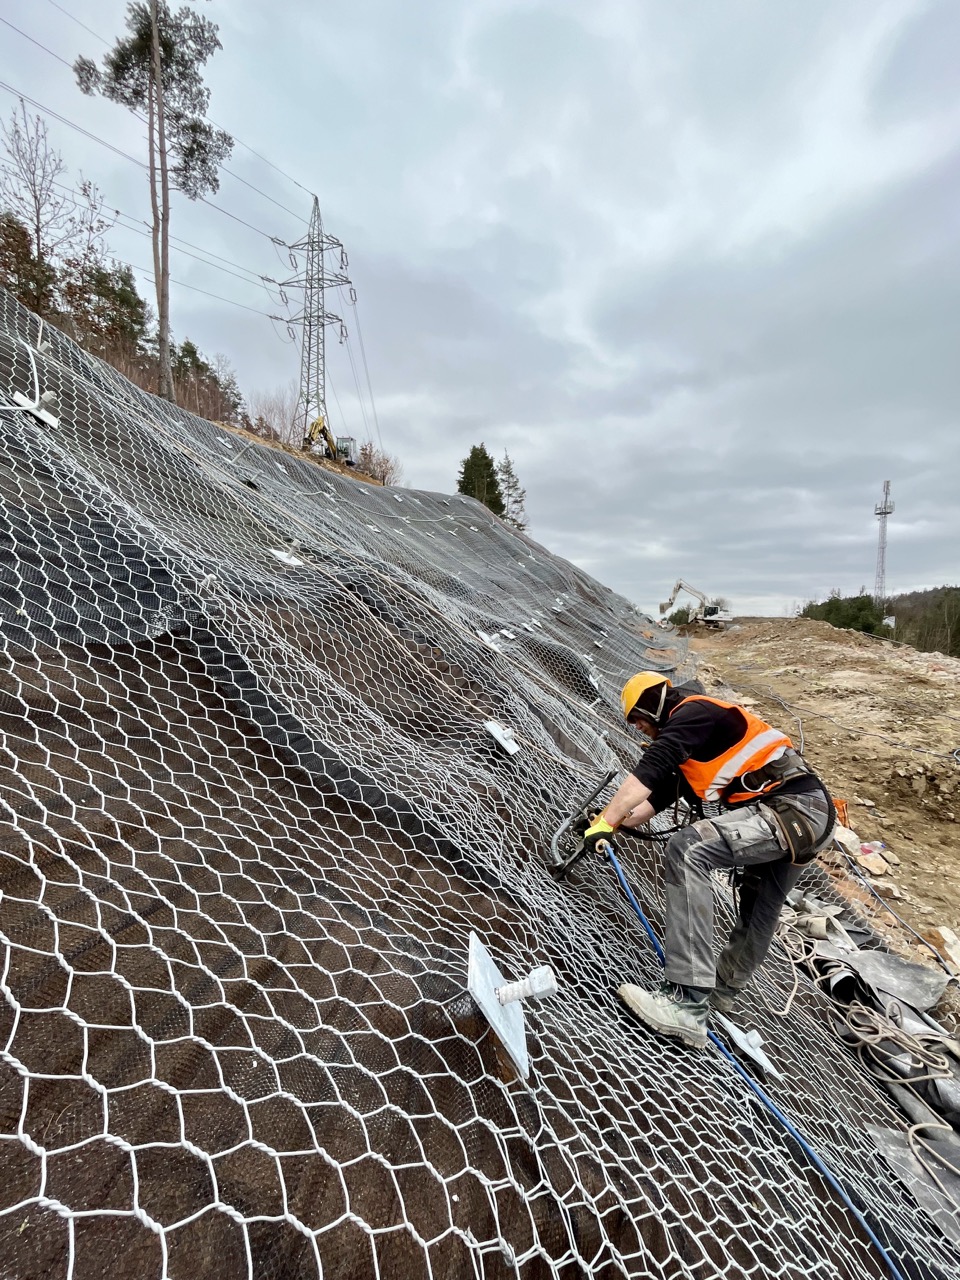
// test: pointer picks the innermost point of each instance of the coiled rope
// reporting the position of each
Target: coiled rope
(785, 1122)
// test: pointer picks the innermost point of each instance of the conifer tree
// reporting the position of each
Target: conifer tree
(478, 479)
(155, 71)
(514, 495)
(61, 227)
(30, 281)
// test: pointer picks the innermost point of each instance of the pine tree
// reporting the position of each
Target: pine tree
(104, 310)
(155, 71)
(63, 228)
(514, 496)
(478, 479)
(30, 281)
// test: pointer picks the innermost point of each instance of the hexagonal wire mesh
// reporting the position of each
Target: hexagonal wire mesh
(250, 814)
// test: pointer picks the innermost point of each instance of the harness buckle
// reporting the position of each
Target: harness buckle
(789, 765)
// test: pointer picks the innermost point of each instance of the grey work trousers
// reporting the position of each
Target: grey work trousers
(739, 838)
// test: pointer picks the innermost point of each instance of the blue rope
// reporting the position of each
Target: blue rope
(631, 898)
(767, 1101)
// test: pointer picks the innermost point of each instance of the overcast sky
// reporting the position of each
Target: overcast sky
(693, 263)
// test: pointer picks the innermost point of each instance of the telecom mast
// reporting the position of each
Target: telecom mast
(314, 281)
(881, 511)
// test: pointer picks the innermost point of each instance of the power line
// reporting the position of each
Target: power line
(75, 19)
(240, 141)
(205, 261)
(149, 274)
(36, 42)
(71, 124)
(246, 147)
(138, 116)
(227, 214)
(366, 370)
(40, 106)
(356, 382)
(232, 301)
(237, 178)
(141, 229)
(251, 277)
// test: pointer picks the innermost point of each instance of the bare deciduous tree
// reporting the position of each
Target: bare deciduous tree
(29, 184)
(382, 466)
(272, 412)
(66, 228)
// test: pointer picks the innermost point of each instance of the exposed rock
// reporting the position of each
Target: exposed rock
(887, 889)
(848, 840)
(875, 863)
(946, 942)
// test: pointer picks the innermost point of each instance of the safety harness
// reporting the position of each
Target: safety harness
(796, 830)
(770, 761)
(721, 778)
(789, 765)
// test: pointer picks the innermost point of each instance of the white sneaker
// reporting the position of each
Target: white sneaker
(669, 1012)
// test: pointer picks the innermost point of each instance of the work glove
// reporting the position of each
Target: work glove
(601, 830)
(582, 825)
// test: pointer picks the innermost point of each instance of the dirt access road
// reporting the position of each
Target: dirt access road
(879, 722)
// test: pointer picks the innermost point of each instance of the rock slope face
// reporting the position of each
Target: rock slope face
(250, 814)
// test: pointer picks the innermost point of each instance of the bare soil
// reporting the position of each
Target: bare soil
(880, 723)
(302, 455)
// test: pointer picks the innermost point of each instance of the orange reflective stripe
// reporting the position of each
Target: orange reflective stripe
(759, 745)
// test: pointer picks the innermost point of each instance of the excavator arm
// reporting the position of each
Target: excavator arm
(678, 586)
(337, 449)
(706, 614)
(319, 433)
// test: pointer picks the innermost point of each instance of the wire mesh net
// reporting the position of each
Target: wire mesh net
(250, 813)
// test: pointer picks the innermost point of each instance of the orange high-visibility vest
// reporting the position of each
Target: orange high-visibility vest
(759, 745)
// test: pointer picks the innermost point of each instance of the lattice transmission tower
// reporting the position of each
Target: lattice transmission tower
(314, 280)
(881, 511)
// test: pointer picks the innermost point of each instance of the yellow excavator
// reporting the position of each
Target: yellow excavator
(338, 449)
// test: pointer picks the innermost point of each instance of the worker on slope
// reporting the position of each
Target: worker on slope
(777, 815)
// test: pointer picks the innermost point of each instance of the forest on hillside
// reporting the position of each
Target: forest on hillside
(929, 620)
(54, 258)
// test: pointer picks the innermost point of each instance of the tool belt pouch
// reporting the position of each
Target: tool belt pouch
(790, 765)
(797, 832)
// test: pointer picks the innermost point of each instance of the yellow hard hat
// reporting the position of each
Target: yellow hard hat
(636, 687)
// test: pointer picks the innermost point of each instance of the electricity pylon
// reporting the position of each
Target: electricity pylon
(315, 279)
(881, 511)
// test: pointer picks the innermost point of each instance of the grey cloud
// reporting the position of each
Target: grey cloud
(920, 71)
(852, 334)
(572, 237)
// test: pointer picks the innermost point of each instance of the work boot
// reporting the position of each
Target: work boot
(669, 1012)
(723, 998)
